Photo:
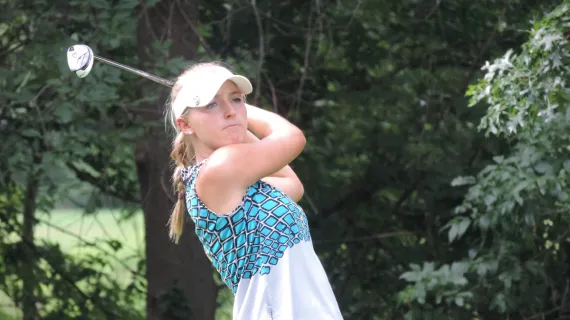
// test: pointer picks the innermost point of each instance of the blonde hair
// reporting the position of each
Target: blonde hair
(183, 155)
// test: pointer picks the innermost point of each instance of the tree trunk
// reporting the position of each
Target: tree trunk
(30, 284)
(180, 278)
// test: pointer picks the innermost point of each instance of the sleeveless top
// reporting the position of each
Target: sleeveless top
(264, 253)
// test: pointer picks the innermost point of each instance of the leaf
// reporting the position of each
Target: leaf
(458, 228)
(548, 41)
(463, 225)
(460, 268)
(452, 233)
(114, 244)
(567, 166)
(409, 276)
(519, 187)
(101, 4)
(459, 301)
(126, 4)
(484, 222)
(83, 166)
(544, 168)
(498, 159)
(438, 298)
(30, 132)
(64, 112)
(460, 181)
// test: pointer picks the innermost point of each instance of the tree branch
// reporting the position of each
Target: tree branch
(366, 238)
(261, 54)
(91, 244)
(59, 272)
(203, 41)
(83, 176)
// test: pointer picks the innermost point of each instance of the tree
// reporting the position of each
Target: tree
(379, 90)
(45, 139)
(180, 282)
(511, 230)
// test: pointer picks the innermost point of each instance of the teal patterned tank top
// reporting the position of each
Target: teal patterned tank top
(253, 237)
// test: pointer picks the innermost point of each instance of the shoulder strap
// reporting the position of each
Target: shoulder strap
(190, 173)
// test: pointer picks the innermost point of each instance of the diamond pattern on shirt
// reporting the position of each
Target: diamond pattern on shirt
(253, 238)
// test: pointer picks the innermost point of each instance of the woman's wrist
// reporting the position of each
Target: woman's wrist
(264, 123)
(258, 122)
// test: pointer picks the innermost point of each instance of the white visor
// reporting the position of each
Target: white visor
(200, 86)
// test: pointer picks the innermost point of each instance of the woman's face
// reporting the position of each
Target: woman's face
(221, 122)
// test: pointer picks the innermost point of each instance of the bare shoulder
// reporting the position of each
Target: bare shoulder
(214, 184)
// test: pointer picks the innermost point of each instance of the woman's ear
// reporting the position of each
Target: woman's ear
(183, 125)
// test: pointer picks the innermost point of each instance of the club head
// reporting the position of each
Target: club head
(80, 59)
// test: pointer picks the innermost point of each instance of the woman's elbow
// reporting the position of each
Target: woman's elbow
(300, 140)
(299, 191)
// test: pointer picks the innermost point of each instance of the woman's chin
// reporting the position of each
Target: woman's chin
(237, 136)
(234, 139)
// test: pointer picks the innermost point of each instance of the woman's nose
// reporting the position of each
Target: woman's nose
(229, 110)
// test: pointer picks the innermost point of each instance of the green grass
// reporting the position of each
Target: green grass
(72, 230)
(8, 315)
(7, 309)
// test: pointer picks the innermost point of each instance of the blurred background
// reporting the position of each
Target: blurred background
(436, 171)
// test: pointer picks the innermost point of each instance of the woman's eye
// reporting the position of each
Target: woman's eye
(211, 105)
(238, 99)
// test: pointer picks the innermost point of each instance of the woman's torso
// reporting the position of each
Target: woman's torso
(264, 253)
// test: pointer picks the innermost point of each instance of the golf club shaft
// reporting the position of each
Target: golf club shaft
(147, 75)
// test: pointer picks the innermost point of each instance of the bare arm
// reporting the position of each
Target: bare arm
(285, 179)
(230, 170)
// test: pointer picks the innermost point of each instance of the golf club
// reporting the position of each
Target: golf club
(80, 60)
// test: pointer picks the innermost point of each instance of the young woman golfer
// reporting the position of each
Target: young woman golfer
(242, 196)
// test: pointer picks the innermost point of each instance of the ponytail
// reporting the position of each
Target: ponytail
(182, 154)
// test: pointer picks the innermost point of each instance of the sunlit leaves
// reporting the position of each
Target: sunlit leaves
(53, 123)
(527, 87)
(513, 219)
(427, 277)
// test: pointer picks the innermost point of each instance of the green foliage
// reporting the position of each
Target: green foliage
(512, 225)
(524, 88)
(48, 141)
(378, 88)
